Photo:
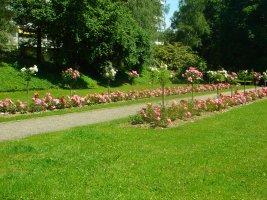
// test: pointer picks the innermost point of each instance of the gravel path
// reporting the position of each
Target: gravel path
(24, 128)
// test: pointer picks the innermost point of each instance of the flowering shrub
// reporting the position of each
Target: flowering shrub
(232, 79)
(264, 77)
(192, 75)
(159, 116)
(245, 76)
(256, 78)
(133, 74)
(163, 79)
(217, 77)
(50, 103)
(27, 73)
(153, 74)
(109, 73)
(70, 76)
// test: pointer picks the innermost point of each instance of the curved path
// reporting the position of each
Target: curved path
(24, 128)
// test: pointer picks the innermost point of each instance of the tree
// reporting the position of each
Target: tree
(176, 55)
(189, 23)
(34, 17)
(227, 33)
(147, 13)
(6, 25)
(100, 31)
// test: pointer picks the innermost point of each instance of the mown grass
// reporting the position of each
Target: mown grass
(219, 157)
(11, 80)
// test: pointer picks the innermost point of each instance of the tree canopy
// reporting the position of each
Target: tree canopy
(6, 24)
(86, 33)
(100, 31)
(226, 33)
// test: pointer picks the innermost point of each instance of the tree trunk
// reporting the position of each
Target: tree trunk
(27, 85)
(192, 84)
(163, 95)
(39, 46)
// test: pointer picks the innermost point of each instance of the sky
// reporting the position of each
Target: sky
(173, 7)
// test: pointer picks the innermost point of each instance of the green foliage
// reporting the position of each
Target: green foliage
(6, 25)
(86, 82)
(228, 33)
(11, 80)
(34, 17)
(100, 31)
(147, 13)
(191, 22)
(176, 55)
(219, 157)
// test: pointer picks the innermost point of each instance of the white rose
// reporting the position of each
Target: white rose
(23, 69)
(35, 68)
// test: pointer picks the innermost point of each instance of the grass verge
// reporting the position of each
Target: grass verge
(219, 157)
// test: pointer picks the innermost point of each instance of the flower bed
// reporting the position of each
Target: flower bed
(49, 103)
(159, 116)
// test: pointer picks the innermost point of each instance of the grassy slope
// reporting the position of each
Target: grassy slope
(11, 80)
(220, 157)
(12, 84)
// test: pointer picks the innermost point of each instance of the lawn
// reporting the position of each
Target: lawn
(218, 157)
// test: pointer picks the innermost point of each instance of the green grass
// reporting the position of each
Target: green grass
(219, 157)
(11, 80)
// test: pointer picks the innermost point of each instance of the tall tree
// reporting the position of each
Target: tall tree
(189, 23)
(34, 17)
(227, 33)
(148, 14)
(6, 25)
(88, 33)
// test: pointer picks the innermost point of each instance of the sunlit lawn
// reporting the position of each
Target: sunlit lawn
(220, 157)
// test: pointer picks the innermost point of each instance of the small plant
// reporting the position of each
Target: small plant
(256, 78)
(264, 77)
(27, 73)
(163, 78)
(132, 75)
(232, 79)
(159, 116)
(244, 75)
(109, 73)
(153, 75)
(217, 77)
(192, 75)
(70, 76)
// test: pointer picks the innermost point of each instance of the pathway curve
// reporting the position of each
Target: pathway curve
(24, 128)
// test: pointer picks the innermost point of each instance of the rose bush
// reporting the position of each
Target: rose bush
(50, 103)
(159, 116)
(70, 76)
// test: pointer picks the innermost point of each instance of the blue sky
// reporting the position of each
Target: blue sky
(173, 7)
